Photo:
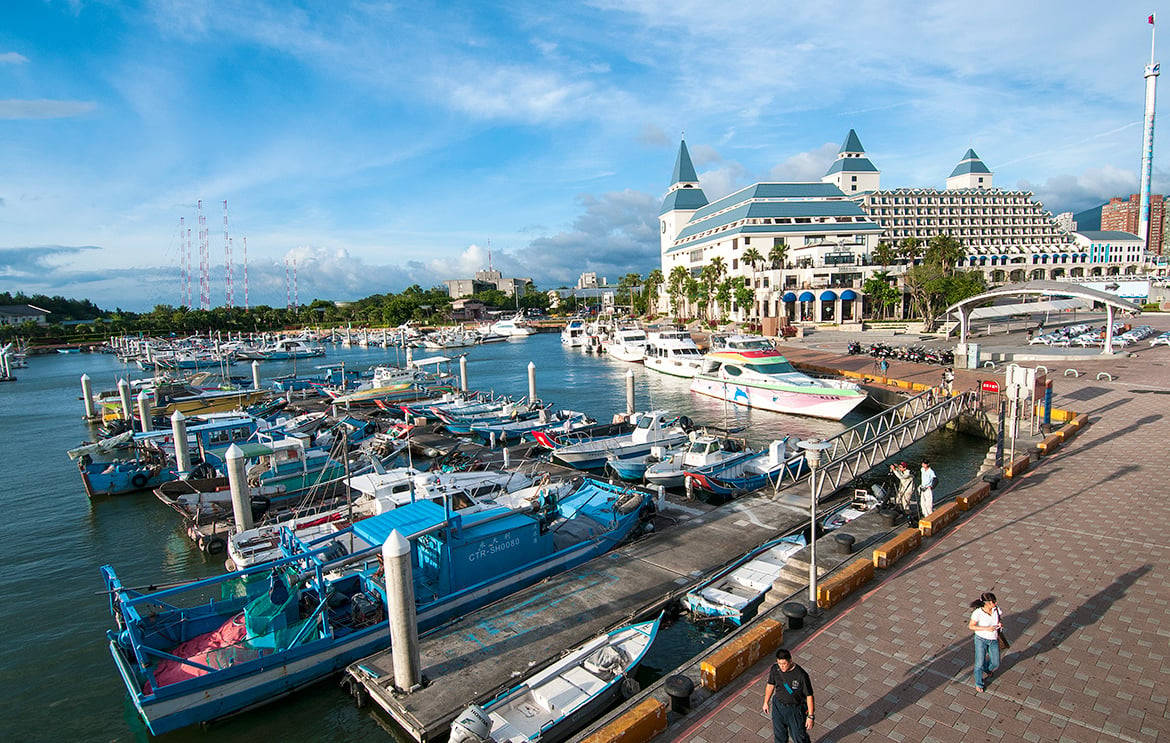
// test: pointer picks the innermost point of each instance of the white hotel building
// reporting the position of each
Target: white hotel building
(831, 228)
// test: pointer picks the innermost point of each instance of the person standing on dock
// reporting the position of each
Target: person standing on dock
(788, 699)
(904, 494)
(926, 489)
(948, 381)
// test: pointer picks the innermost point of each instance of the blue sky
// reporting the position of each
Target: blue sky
(383, 144)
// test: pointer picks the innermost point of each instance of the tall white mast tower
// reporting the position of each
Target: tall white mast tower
(1152, 70)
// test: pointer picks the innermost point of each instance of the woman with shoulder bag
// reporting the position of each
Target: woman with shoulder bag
(987, 624)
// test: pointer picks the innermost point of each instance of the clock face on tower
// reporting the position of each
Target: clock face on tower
(664, 227)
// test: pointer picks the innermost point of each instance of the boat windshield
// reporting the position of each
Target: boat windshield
(776, 367)
(754, 344)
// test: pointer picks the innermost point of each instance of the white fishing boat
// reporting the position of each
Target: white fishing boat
(673, 352)
(704, 451)
(283, 350)
(575, 333)
(656, 428)
(628, 344)
(765, 380)
(551, 704)
(736, 593)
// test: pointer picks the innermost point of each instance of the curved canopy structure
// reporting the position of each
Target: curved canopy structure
(807, 297)
(1043, 289)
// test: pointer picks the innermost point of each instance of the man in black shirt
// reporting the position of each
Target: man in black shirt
(788, 697)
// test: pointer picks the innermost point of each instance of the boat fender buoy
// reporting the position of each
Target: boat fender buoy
(215, 546)
(139, 480)
(630, 687)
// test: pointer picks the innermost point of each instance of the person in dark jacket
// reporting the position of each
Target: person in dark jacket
(788, 698)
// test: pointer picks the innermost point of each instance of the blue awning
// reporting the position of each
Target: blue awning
(788, 297)
(828, 296)
(409, 519)
(807, 297)
(848, 295)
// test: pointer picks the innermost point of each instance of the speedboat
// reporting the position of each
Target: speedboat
(280, 626)
(283, 350)
(559, 699)
(705, 452)
(736, 593)
(741, 342)
(656, 428)
(628, 344)
(575, 334)
(743, 475)
(766, 380)
(673, 352)
(512, 327)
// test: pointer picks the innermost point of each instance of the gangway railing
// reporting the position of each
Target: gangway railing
(860, 447)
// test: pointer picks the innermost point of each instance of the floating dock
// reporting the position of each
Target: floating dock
(486, 652)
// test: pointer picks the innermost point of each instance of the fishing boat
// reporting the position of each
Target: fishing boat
(282, 350)
(656, 428)
(552, 438)
(187, 399)
(765, 380)
(633, 469)
(277, 627)
(673, 352)
(735, 594)
(762, 469)
(519, 430)
(553, 703)
(628, 344)
(705, 453)
(574, 334)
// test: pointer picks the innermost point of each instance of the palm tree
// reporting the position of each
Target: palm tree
(779, 253)
(712, 272)
(677, 287)
(945, 251)
(652, 284)
(752, 257)
(910, 249)
(883, 254)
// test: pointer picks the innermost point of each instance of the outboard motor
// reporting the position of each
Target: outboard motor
(473, 726)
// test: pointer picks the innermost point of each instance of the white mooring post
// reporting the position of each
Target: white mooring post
(179, 434)
(238, 482)
(87, 397)
(124, 396)
(531, 382)
(401, 611)
(463, 373)
(409, 356)
(255, 375)
(629, 391)
(144, 410)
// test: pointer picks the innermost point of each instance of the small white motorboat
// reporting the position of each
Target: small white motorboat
(554, 702)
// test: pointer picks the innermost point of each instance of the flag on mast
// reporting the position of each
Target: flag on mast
(1150, 20)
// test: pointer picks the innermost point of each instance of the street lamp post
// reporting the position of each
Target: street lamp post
(812, 455)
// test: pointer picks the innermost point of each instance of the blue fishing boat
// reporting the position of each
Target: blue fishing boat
(735, 593)
(521, 430)
(761, 470)
(656, 428)
(229, 643)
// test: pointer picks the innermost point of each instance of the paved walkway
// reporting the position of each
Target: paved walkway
(1077, 552)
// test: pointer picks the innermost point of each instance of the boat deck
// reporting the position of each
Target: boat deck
(487, 651)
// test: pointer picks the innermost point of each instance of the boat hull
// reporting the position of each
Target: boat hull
(673, 367)
(812, 404)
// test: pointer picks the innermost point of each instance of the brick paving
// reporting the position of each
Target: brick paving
(1077, 552)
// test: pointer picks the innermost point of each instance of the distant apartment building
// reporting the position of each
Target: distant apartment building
(588, 280)
(484, 280)
(1121, 215)
(17, 314)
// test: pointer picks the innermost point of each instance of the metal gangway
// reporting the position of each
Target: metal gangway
(859, 448)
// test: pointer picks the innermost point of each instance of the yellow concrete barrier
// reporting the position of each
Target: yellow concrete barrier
(940, 517)
(897, 548)
(725, 664)
(1050, 444)
(639, 725)
(967, 500)
(1018, 466)
(832, 591)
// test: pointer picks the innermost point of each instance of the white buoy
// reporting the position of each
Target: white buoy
(660, 502)
(124, 396)
(238, 482)
(409, 355)
(629, 391)
(401, 611)
(463, 373)
(144, 410)
(87, 397)
(255, 375)
(531, 382)
(179, 433)
(507, 458)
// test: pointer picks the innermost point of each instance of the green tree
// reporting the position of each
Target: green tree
(910, 249)
(696, 293)
(881, 292)
(945, 251)
(723, 293)
(884, 255)
(676, 289)
(652, 284)
(779, 253)
(745, 300)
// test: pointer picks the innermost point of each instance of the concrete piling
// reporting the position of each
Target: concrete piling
(400, 610)
(531, 382)
(144, 410)
(238, 483)
(182, 449)
(87, 397)
(463, 373)
(629, 392)
(255, 375)
(124, 396)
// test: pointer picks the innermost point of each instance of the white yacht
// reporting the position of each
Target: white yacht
(628, 344)
(575, 334)
(512, 327)
(673, 352)
(764, 379)
(741, 342)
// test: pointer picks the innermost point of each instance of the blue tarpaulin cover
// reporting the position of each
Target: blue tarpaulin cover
(409, 519)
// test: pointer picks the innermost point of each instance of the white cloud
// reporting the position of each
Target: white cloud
(13, 58)
(43, 109)
(1064, 193)
(806, 166)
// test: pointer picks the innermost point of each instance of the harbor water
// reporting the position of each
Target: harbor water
(58, 680)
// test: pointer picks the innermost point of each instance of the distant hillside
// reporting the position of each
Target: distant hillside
(60, 307)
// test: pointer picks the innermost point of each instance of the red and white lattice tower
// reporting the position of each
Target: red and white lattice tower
(287, 286)
(296, 288)
(188, 287)
(182, 263)
(246, 305)
(230, 292)
(204, 261)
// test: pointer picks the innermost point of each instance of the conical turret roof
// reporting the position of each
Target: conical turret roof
(852, 143)
(970, 164)
(684, 170)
